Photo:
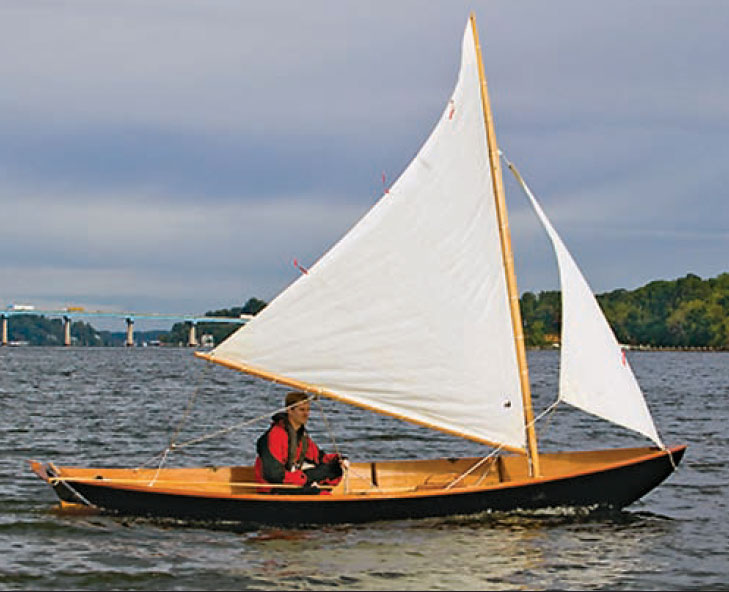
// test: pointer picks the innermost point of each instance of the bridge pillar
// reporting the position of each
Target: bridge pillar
(66, 331)
(130, 332)
(192, 338)
(4, 330)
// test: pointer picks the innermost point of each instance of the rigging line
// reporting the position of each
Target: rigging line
(164, 453)
(334, 442)
(186, 415)
(221, 432)
(56, 479)
(508, 163)
(326, 423)
(73, 491)
(473, 468)
(175, 446)
(463, 475)
(551, 411)
(171, 446)
(159, 467)
(233, 427)
(361, 475)
(151, 459)
(670, 458)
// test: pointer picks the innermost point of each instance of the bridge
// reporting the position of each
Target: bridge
(71, 313)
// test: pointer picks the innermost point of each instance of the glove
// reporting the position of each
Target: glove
(335, 469)
(318, 473)
(323, 471)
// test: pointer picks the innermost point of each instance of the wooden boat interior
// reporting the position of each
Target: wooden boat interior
(379, 478)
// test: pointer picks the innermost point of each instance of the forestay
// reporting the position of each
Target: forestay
(408, 313)
(594, 372)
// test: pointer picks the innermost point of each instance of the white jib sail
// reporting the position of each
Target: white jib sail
(408, 312)
(594, 372)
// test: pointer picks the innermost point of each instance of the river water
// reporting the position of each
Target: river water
(119, 407)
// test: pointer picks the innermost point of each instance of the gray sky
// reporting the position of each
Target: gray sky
(177, 155)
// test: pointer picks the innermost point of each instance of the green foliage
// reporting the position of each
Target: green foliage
(38, 330)
(541, 316)
(179, 334)
(687, 312)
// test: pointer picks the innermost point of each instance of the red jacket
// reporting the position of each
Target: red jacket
(273, 463)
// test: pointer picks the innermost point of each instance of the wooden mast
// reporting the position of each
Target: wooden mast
(508, 256)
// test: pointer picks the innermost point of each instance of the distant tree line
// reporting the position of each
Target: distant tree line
(39, 330)
(687, 312)
(179, 333)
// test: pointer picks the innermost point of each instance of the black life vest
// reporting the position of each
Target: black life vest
(294, 462)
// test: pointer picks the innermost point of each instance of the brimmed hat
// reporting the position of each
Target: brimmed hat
(294, 397)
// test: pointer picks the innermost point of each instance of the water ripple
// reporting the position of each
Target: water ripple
(119, 407)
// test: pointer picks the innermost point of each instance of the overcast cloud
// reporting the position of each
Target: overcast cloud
(177, 155)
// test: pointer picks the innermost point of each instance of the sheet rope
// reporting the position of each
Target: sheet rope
(496, 450)
(174, 446)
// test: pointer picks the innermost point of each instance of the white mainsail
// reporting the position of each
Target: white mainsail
(408, 313)
(594, 372)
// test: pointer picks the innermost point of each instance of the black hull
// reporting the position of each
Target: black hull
(613, 487)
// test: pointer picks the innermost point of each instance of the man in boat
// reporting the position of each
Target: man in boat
(288, 455)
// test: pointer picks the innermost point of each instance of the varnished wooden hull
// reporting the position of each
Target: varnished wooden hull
(607, 479)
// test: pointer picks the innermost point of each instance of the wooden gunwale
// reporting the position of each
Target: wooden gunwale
(382, 493)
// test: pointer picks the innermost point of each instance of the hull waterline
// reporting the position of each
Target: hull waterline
(614, 486)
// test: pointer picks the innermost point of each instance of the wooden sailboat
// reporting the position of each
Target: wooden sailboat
(414, 313)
